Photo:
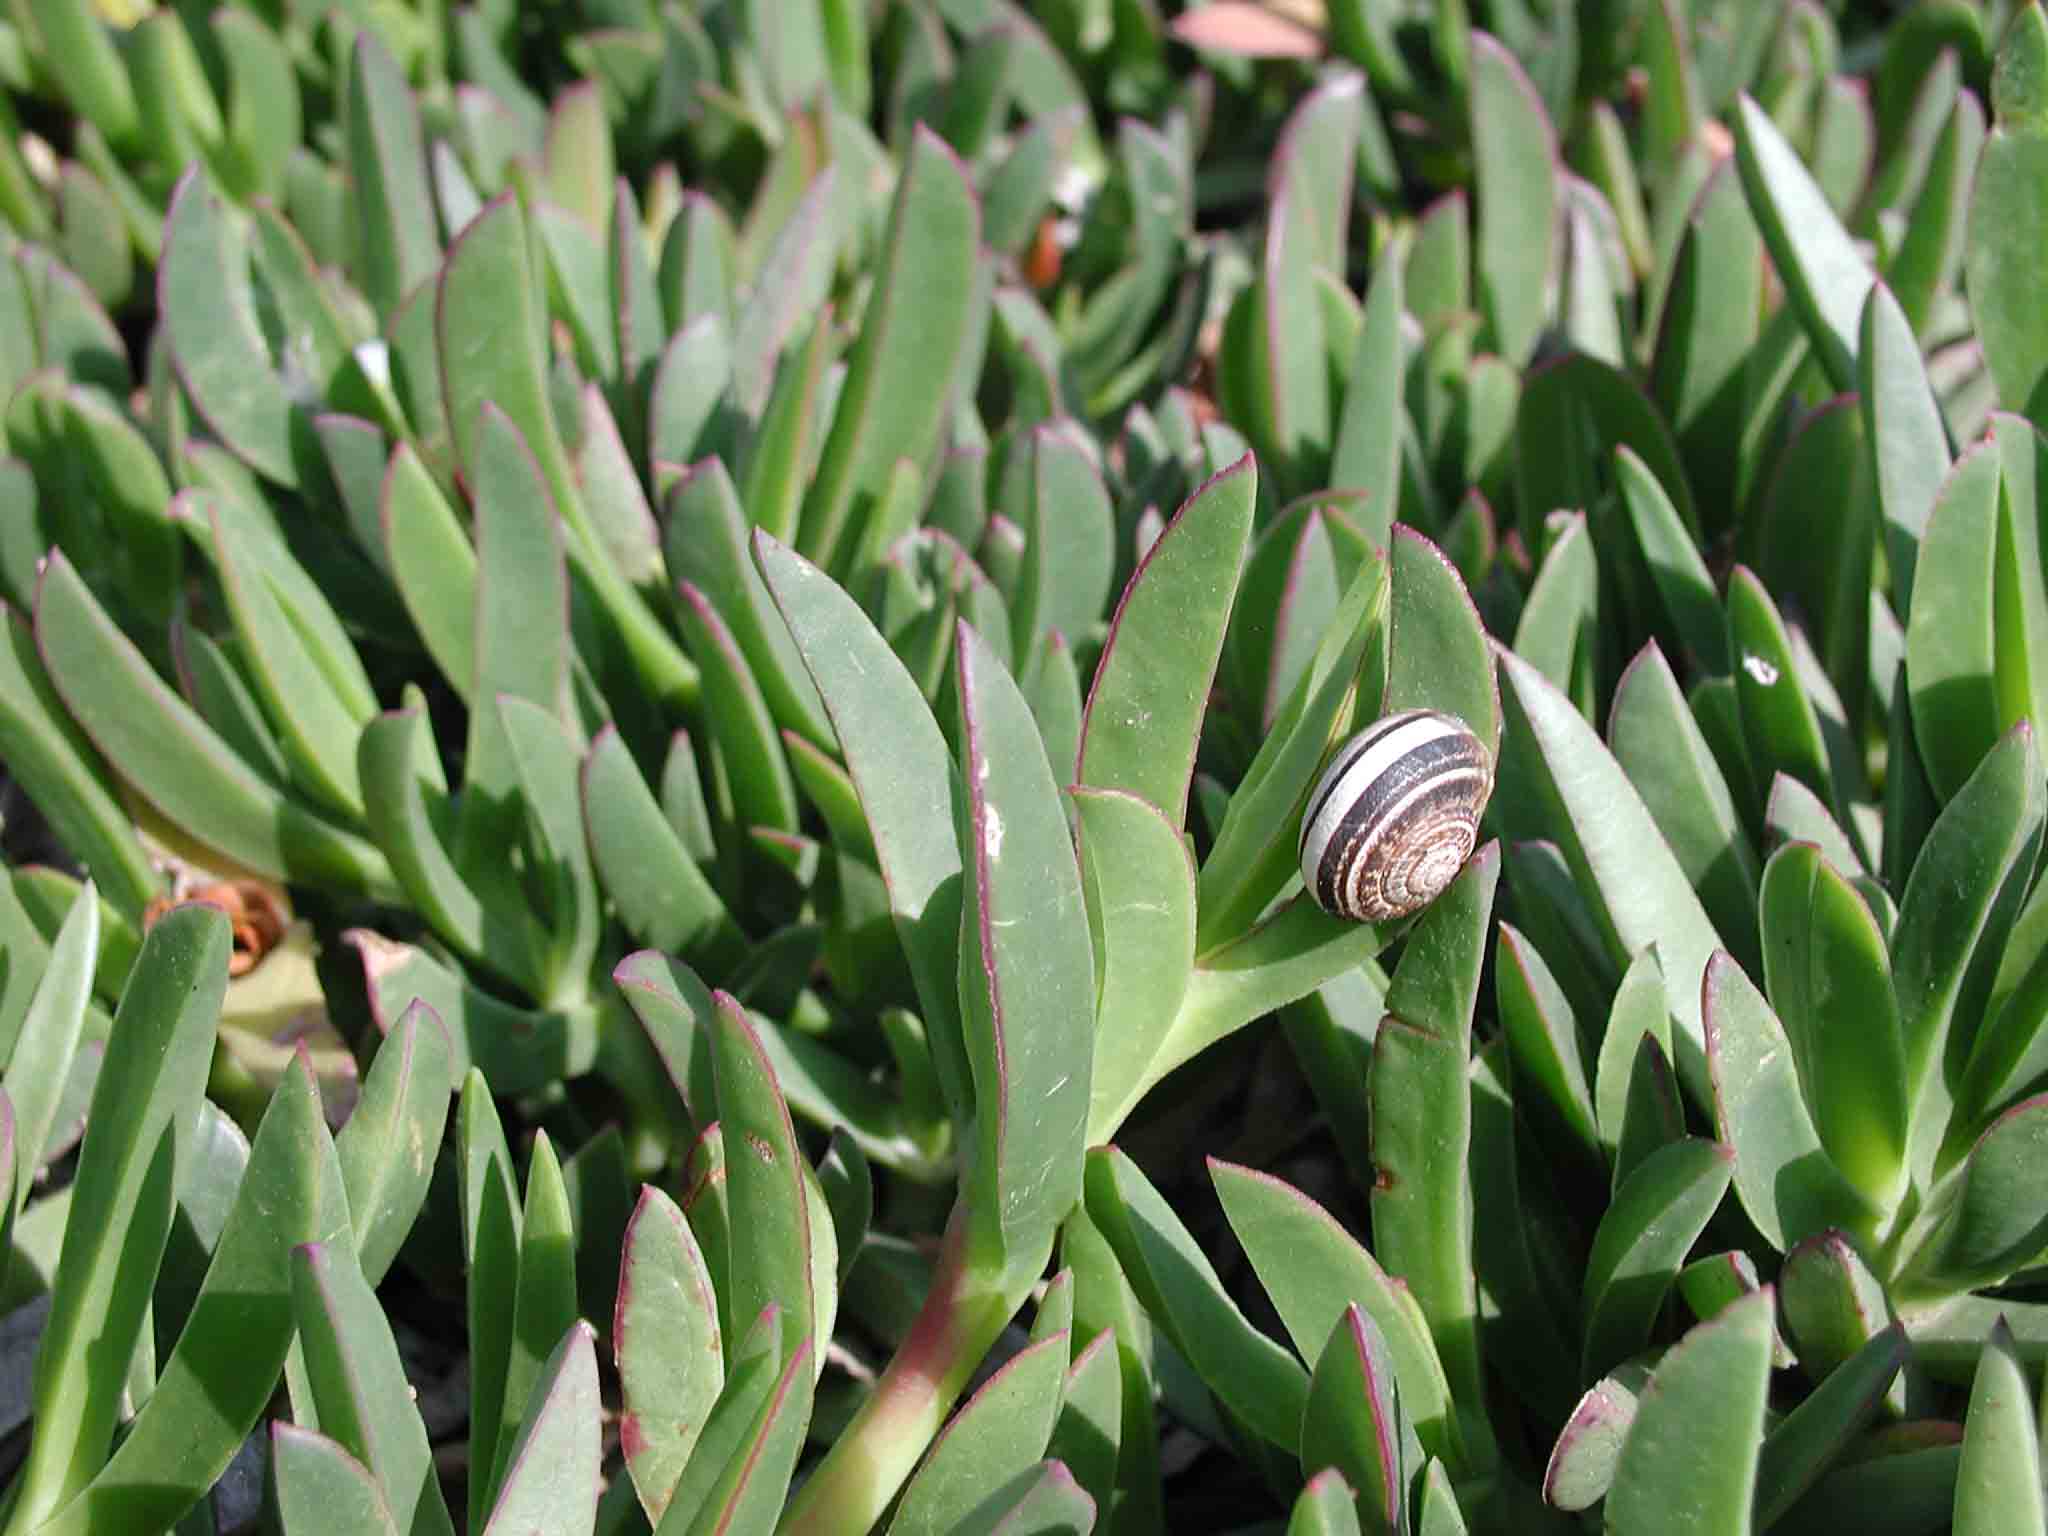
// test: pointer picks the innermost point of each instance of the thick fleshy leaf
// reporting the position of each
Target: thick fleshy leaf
(388, 165)
(1826, 278)
(1826, 581)
(916, 324)
(177, 761)
(546, 759)
(1952, 632)
(999, 1433)
(1543, 1037)
(1658, 1212)
(662, 897)
(321, 1488)
(1289, 955)
(262, 121)
(1151, 687)
(821, 1085)
(1353, 1421)
(1261, 1383)
(1961, 898)
(2006, 1057)
(1437, 651)
(1690, 1459)
(1783, 1177)
(491, 1218)
(1829, 978)
(1833, 1304)
(1683, 582)
(64, 775)
(1903, 427)
(1366, 453)
(752, 1484)
(1708, 323)
(1044, 1500)
(686, 415)
(901, 765)
(1254, 856)
(666, 1339)
(1924, 268)
(1281, 1228)
(1310, 178)
(1421, 1116)
(1906, 1487)
(1658, 742)
(317, 721)
(543, 1306)
(39, 1062)
(551, 1482)
(613, 498)
(1998, 1481)
(1026, 972)
(1140, 885)
(219, 1377)
(1558, 632)
(1800, 1449)
(209, 309)
(487, 336)
(2002, 265)
(706, 544)
(141, 1119)
(1582, 1462)
(358, 1387)
(432, 564)
(1070, 541)
(1997, 1220)
(486, 922)
(393, 1136)
(1782, 723)
(769, 1262)
(1516, 175)
(1326, 1507)
(1613, 846)
(1088, 1434)
(1580, 400)
(518, 1049)
(763, 792)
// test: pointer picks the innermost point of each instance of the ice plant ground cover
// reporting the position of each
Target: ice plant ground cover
(660, 669)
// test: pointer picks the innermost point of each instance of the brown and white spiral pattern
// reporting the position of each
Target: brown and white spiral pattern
(1395, 815)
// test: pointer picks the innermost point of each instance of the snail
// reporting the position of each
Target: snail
(1395, 816)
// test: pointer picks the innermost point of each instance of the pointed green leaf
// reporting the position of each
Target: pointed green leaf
(1515, 165)
(912, 332)
(1260, 1382)
(1657, 1214)
(1826, 279)
(142, 1114)
(1690, 1459)
(1313, 1269)
(1151, 687)
(321, 1488)
(551, 1481)
(1783, 1177)
(998, 1433)
(2002, 260)
(1026, 971)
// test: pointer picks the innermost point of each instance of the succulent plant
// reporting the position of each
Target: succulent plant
(667, 678)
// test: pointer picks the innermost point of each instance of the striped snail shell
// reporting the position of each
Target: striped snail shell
(1395, 815)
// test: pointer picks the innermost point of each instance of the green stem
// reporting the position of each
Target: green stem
(961, 1318)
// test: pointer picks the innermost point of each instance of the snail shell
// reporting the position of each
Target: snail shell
(1395, 815)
